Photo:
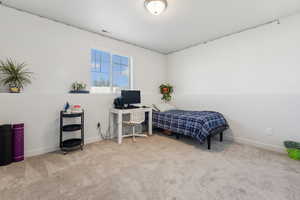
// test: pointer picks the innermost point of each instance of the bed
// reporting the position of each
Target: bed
(200, 125)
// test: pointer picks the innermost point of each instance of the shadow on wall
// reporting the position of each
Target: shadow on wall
(228, 134)
(3, 89)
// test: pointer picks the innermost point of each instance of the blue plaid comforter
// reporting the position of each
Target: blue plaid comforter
(196, 124)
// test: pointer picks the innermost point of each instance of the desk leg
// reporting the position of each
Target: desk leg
(111, 125)
(150, 123)
(120, 128)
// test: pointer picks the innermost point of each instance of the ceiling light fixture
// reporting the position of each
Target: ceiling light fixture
(156, 7)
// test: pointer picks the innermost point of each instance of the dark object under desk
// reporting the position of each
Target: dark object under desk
(73, 143)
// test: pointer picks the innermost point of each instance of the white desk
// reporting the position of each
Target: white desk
(120, 112)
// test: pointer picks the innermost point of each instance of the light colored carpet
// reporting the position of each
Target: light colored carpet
(154, 168)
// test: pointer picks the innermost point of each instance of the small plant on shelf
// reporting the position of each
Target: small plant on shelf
(166, 90)
(14, 75)
(79, 87)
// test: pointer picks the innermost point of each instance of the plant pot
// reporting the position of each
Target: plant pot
(14, 90)
(165, 90)
(293, 149)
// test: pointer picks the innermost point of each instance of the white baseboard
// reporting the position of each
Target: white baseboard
(36, 152)
(92, 140)
(258, 144)
(240, 140)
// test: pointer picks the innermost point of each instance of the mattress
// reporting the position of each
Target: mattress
(196, 124)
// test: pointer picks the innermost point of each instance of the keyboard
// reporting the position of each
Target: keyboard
(131, 107)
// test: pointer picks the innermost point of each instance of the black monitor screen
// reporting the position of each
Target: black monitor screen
(131, 96)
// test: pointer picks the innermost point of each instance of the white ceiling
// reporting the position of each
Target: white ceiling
(184, 23)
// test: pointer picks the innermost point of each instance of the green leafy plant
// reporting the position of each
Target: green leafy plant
(77, 86)
(166, 90)
(14, 74)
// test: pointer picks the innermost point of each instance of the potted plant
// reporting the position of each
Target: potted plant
(79, 87)
(15, 75)
(166, 90)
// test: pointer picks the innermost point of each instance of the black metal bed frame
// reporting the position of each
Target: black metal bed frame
(214, 132)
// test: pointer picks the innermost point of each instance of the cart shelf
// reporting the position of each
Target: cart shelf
(71, 127)
(71, 144)
(71, 115)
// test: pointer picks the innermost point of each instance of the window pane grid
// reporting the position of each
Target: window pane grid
(109, 70)
(120, 71)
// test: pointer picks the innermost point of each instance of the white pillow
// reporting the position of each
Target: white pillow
(164, 107)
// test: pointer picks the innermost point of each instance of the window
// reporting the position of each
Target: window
(109, 72)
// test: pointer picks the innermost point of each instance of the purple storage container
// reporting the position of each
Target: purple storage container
(18, 142)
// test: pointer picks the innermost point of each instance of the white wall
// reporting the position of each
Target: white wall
(251, 77)
(60, 55)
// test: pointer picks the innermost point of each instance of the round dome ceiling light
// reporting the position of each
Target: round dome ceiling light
(156, 7)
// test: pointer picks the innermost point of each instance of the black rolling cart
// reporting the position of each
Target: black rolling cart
(73, 143)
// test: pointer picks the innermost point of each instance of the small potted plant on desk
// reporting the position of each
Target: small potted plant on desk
(15, 75)
(80, 88)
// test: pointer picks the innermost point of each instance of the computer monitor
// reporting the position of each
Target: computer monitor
(131, 96)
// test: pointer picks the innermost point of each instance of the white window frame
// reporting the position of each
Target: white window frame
(111, 89)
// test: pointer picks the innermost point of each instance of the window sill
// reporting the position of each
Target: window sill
(106, 90)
